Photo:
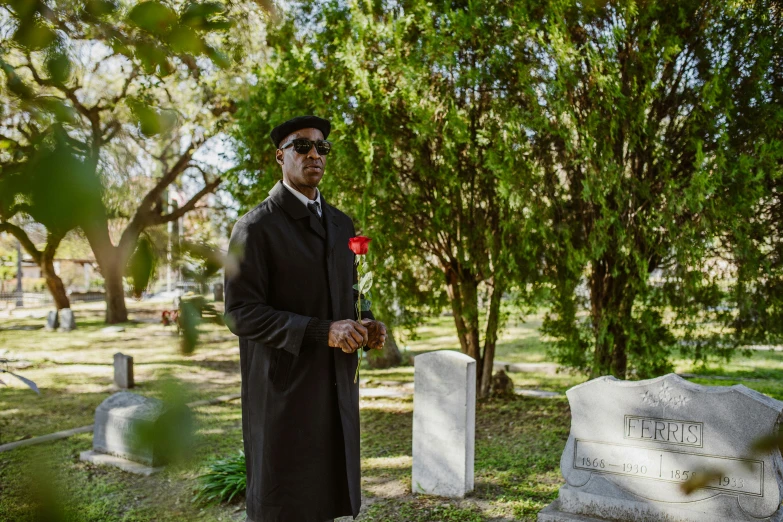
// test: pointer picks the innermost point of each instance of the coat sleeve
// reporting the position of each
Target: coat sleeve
(247, 313)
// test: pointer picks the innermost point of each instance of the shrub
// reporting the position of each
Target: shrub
(225, 479)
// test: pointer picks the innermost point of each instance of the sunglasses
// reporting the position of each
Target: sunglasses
(303, 146)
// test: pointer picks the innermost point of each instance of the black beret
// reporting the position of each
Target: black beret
(298, 123)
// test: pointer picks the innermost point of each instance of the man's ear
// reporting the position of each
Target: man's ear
(279, 156)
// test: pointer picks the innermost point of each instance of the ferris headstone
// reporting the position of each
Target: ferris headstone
(67, 320)
(138, 433)
(634, 443)
(123, 371)
(51, 320)
(444, 423)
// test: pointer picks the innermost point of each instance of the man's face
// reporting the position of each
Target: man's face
(302, 170)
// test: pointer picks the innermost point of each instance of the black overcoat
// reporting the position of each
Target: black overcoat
(300, 406)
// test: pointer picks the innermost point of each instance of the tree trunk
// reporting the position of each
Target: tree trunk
(464, 303)
(111, 262)
(54, 284)
(455, 298)
(388, 357)
(53, 281)
(44, 259)
(112, 270)
(611, 301)
(490, 340)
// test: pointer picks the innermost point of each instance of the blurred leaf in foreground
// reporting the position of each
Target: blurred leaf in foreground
(700, 479)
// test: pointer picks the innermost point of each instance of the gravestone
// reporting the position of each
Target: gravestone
(123, 370)
(112, 329)
(634, 443)
(218, 290)
(444, 423)
(137, 433)
(51, 320)
(67, 320)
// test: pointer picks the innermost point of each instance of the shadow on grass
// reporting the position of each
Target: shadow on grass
(519, 441)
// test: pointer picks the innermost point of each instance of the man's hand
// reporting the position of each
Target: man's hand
(348, 335)
(376, 333)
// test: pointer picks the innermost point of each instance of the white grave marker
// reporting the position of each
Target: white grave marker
(444, 423)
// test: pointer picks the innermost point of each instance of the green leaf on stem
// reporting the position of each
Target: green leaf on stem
(365, 283)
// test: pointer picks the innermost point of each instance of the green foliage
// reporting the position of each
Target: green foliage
(751, 164)
(172, 434)
(151, 120)
(423, 150)
(224, 479)
(629, 135)
(616, 152)
(193, 311)
(53, 184)
(142, 110)
(188, 321)
(140, 269)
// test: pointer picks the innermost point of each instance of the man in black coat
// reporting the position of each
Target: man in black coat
(292, 304)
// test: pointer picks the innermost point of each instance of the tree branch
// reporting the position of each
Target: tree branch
(190, 205)
(23, 238)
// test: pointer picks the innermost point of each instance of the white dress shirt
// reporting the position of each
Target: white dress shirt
(301, 197)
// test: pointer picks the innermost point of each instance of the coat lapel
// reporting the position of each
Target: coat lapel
(333, 231)
(294, 208)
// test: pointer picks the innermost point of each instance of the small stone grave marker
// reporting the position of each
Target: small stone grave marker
(633, 443)
(444, 423)
(51, 320)
(120, 422)
(218, 291)
(112, 329)
(67, 320)
(123, 371)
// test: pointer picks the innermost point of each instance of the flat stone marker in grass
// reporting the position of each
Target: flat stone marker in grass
(112, 329)
(444, 424)
(138, 434)
(123, 371)
(634, 443)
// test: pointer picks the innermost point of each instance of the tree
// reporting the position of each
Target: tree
(419, 98)
(104, 74)
(47, 181)
(629, 137)
(23, 189)
(750, 232)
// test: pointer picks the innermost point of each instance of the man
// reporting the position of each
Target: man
(292, 306)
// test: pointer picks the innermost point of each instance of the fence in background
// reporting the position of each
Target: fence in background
(34, 299)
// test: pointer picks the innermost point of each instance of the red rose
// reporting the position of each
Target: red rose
(359, 245)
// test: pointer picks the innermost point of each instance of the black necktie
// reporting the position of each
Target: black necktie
(314, 207)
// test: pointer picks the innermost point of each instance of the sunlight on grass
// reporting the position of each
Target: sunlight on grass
(383, 463)
(518, 440)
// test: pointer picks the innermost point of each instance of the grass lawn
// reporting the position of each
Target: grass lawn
(518, 440)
